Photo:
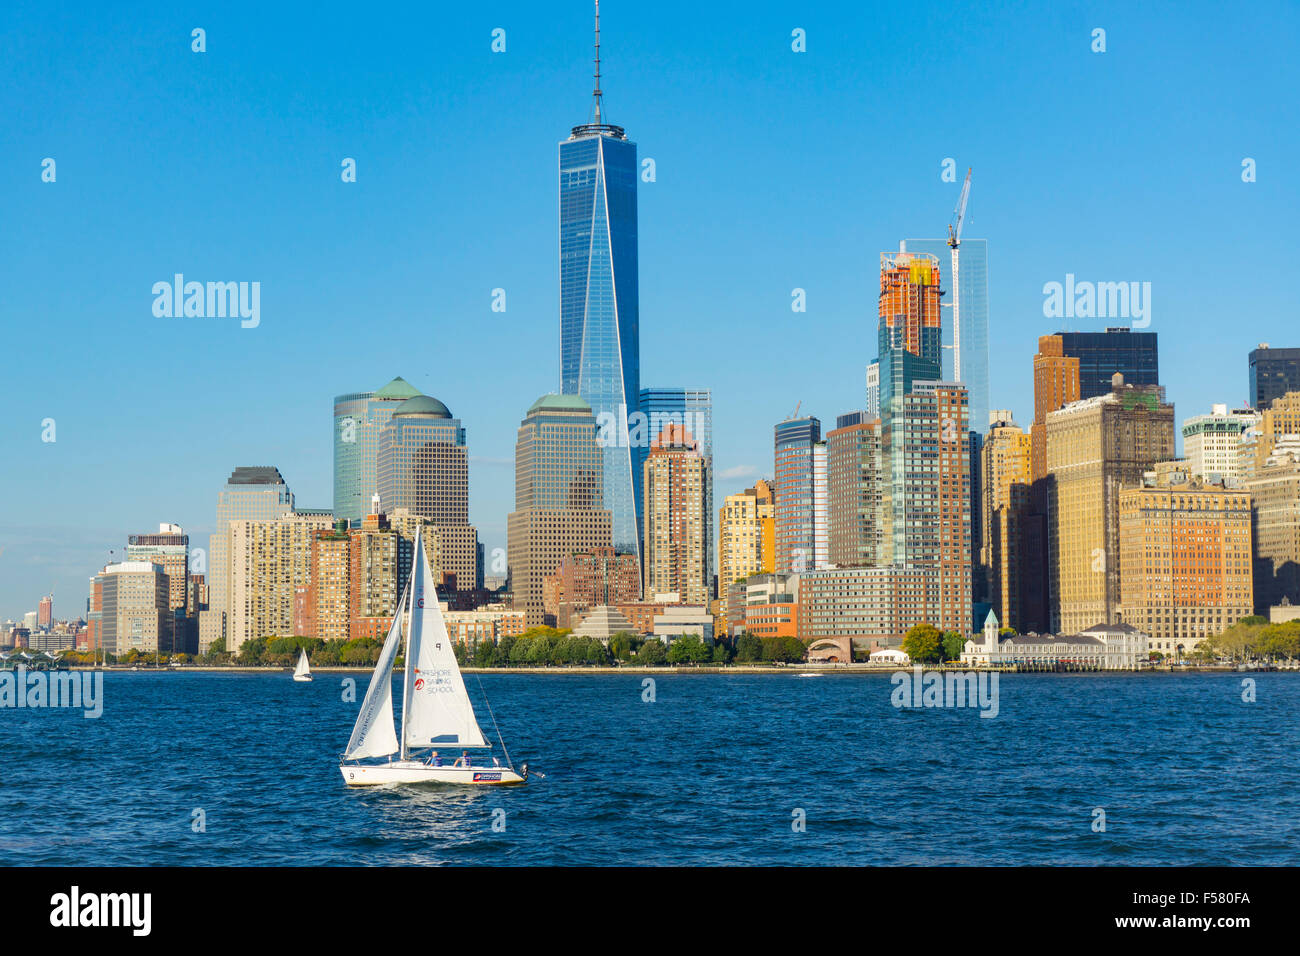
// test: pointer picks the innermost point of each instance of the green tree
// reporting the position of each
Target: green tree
(485, 654)
(748, 648)
(652, 653)
(922, 644)
(953, 643)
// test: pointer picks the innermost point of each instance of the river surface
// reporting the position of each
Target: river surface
(202, 768)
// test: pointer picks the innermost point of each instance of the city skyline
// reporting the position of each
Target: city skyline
(79, 260)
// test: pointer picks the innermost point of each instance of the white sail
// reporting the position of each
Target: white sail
(375, 735)
(436, 711)
(303, 669)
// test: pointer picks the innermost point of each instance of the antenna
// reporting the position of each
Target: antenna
(596, 91)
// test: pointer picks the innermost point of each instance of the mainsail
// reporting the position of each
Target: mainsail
(435, 707)
(375, 735)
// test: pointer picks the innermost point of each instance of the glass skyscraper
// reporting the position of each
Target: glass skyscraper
(359, 417)
(600, 345)
(974, 320)
(692, 408)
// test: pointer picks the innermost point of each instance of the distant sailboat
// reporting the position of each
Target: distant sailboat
(303, 671)
(436, 710)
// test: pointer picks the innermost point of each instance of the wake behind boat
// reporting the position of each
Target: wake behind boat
(437, 715)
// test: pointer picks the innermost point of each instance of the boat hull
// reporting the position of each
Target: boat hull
(415, 771)
(303, 679)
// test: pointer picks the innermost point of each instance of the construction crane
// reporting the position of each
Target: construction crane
(954, 241)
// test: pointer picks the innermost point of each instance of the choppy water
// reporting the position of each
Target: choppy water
(710, 773)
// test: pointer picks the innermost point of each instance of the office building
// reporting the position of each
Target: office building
(1273, 373)
(1220, 446)
(359, 417)
(1275, 524)
(1278, 423)
(746, 539)
(128, 609)
(1004, 467)
(799, 490)
(1095, 447)
(170, 548)
(558, 497)
(600, 345)
(867, 608)
(772, 605)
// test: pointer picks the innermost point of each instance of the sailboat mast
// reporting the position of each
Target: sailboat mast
(417, 555)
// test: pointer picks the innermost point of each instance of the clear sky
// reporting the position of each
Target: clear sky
(774, 170)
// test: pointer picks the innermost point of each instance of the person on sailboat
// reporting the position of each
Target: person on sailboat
(434, 760)
(463, 760)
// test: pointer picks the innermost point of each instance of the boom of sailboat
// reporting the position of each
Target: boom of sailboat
(438, 727)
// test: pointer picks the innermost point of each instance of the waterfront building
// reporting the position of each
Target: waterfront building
(746, 538)
(680, 620)
(1219, 447)
(1275, 524)
(854, 481)
(691, 409)
(129, 609)
(603, 622)
(1102, 647)
(589, 579)
(1273, 373)
(675, 491)
(251, 493)
(328, 608)
(870, 608)
(600, 344)
(1185, 557)
(269, 560)
(558, 497)
(772, 605)
(423, 469)
(799, 491)
(170, 548)
(1095, 447)
(374, 577)
(1005, 483)
(359, 417)
(491, 623)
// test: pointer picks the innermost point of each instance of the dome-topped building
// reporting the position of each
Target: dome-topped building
(423, 405)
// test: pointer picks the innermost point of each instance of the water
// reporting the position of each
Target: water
(710, 773)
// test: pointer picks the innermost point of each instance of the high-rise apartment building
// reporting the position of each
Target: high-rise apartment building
(1004, 481)
(423, 468)
(251, 493)
(675, 490)
(558, 497)
(128, 609)
(329, 591)
(1095, 447)
(269, 560)
(359, 417)
(1275, 503)
(910, 330)
(691, 408)
(1185, 554)
(600, 344)
(45, 612)
(590, 579)
(170, 548)
(1219, 447)
(1273, 373)
(854, 483)
(375, 581)
(799, 489)
(746, 538)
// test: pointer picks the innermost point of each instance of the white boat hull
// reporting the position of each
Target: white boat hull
(416, 771)
(302, 678)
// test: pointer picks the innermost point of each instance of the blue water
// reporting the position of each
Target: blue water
(710, 773)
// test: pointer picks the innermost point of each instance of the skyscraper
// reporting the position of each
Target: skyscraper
(853, 491)
(974, 338)
(251, 493)
(1220, 446)
(1095, 446)
(558, 511)
(358, 419)
(909, 333)
(797, 495)
(1273, 373)
(692, 408)
(1005, 502)
(746, 538)
(270, 558)
(676, 525)
(600, 345)
(423, 468)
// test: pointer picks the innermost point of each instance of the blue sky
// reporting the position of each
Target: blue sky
(775, 170)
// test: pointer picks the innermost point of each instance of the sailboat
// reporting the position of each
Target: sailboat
(303, 671)
(437, 716)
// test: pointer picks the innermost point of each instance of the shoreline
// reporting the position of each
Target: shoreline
(817, 669)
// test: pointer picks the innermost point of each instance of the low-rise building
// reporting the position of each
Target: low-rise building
(1106, 647)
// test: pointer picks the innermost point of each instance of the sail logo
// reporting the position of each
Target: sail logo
(419, 683)
(419, 602)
